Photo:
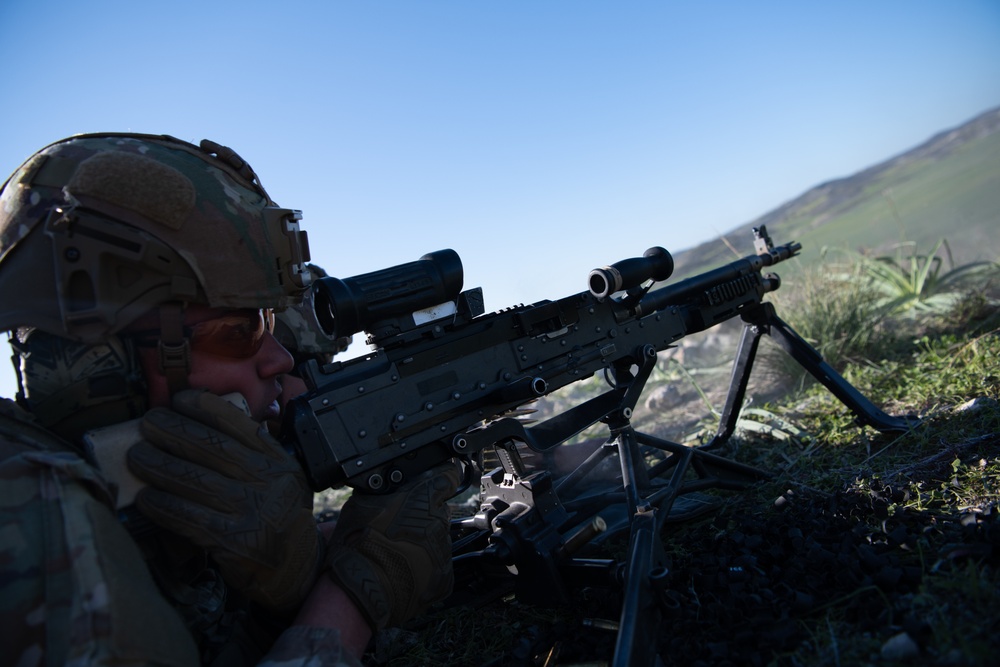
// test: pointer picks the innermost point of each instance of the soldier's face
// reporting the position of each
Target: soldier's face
(226, 363)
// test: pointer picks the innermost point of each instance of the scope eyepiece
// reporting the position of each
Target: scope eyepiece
(346, 306)
(655, 264)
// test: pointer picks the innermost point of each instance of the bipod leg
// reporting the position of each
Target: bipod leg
(634, 477)
(740, 378)
(811, 360)
(575, 476)
(713, 471)
(762, 319)
(640, 614)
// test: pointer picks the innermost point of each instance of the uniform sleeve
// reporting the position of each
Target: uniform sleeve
(73, 586)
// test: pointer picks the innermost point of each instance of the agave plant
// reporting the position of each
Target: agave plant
(913, 283)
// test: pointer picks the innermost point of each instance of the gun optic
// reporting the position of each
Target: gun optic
(346, 306)
(655, 264)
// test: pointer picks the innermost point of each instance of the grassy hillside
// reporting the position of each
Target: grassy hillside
(948, 187)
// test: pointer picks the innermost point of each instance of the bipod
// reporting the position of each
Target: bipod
(762, 319)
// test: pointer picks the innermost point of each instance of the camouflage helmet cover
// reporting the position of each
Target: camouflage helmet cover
(97, 229)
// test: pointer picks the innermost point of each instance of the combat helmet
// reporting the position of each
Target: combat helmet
(98, 229)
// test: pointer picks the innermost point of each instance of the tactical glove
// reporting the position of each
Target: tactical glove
(220, 480)
(392, 553)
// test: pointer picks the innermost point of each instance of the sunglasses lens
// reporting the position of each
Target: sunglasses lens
(239, 335)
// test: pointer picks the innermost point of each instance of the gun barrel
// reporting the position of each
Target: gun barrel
(733, 273)
(781, 253)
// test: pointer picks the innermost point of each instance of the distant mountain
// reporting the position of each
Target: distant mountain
(947, 187)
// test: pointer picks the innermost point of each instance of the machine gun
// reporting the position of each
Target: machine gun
(446, 380)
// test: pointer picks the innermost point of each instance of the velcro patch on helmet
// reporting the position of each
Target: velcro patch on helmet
(137, 183)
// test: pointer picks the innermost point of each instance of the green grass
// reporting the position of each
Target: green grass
(946, 472)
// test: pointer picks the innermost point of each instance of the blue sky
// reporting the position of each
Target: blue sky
(538, 139)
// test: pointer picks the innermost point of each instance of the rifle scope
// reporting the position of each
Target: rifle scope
(346, 306)
(655, 264)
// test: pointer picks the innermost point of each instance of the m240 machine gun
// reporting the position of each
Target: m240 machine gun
(446, 380)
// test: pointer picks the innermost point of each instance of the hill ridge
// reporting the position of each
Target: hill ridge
(826, 201)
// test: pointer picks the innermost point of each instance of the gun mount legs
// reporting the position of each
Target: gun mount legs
(764, 320)
(811, 360)
(641, 615)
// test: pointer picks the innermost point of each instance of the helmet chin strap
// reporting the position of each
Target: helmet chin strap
(174, 348)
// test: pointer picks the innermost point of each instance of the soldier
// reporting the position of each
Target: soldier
(138, 279)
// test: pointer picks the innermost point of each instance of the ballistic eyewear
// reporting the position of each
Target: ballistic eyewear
(236, 335)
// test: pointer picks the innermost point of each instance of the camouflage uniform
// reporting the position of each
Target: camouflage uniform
(75, 586)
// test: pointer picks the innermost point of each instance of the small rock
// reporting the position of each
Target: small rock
(977, 403)
(900, 647)
(663, 397)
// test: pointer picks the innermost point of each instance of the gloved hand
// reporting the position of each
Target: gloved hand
(220, 480)
(392, 553)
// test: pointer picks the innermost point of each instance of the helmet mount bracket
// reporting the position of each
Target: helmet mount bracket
(173, 348)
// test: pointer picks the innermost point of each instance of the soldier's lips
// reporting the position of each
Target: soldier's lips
(272, 411)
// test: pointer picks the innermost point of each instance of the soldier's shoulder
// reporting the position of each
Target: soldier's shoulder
(9, 410)
(29, 451)
(19, 425)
